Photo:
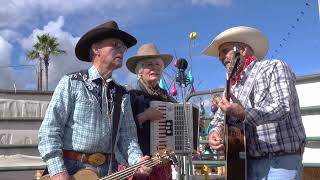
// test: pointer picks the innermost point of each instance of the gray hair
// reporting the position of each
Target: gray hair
(140, 64)
(91, 54)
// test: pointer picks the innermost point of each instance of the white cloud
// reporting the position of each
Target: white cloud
(5, 72)
(63, 64)
(22, 12)
(5, 51)
(60, 65)
(10, 35)
(212, 2)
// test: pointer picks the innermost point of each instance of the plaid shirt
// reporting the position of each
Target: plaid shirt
(75, 121)
(273, 119)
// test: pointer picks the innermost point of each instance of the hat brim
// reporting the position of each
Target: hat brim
(133, 61)
(250, 36)
(84, 44)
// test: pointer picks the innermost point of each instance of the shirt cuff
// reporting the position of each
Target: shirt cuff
(134, 159)
(215, 129)
(55, 165)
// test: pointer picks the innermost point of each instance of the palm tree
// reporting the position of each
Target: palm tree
(45, 47)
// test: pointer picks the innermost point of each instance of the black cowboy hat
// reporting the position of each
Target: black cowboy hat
(106, 30)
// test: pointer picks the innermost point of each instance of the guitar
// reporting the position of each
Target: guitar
(234, 137)
(161, 157)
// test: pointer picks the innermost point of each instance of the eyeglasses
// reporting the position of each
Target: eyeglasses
(119, 45)
(223, 52)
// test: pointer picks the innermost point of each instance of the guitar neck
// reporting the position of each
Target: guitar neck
(123, 174)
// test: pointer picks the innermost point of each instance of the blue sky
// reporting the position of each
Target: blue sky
(167, 23)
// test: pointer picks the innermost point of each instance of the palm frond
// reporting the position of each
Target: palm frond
(32, 55)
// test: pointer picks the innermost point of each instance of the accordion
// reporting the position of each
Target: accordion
(177, 130)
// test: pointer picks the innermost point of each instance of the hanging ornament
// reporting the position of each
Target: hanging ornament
(174, 90)
(162, 85)
(214, 108)
(193, 35)
(177, 75)
(175, 63)
(190, 77)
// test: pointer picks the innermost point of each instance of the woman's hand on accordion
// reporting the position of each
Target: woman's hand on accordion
(149, 114)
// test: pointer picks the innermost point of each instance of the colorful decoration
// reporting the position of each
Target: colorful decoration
(174, 90)
(293, 27)
(190, 77)
(175, 63)
(193, 35)
(214, 108)
(206, 172)
(162, 85)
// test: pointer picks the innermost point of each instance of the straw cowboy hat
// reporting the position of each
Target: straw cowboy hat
(250, 36)
(147, 51)
(106, 30)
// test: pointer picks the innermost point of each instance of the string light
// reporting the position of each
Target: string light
(292, 28)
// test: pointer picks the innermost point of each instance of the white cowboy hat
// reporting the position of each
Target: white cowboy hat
(250, 36)
(144, 52)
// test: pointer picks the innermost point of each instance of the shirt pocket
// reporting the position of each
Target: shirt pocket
(86, 109)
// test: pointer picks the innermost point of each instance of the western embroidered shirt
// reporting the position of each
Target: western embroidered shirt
(77, 120)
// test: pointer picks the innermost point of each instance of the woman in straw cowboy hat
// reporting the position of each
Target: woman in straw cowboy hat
(275, 136)
(148, 64)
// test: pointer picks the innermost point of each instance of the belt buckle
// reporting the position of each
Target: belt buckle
(96, 159)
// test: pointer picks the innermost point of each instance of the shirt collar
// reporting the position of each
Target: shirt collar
(94, 74)
(245, 73)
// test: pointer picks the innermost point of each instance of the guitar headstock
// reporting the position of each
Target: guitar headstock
(233, 65)
(166, 155)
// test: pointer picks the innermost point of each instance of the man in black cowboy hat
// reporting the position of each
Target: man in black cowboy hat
(89, 119)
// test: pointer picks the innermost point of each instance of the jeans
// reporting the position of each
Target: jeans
(287, 167)
(74, 166)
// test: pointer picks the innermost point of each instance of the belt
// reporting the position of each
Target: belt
(95, 159)
(277, 154)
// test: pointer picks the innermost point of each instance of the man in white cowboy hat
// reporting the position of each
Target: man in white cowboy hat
(148, 64)
(89, 118)
(275, 136)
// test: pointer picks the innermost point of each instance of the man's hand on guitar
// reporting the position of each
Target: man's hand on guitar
(142, 172)
(234, 108)
(61, 176)
(215, 141)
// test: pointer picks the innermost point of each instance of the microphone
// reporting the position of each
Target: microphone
(182, 65)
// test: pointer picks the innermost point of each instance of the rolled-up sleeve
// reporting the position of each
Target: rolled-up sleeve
(217, 124)
(128, 141)
(52, 127)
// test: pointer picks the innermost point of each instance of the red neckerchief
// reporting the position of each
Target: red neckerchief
(246, 63)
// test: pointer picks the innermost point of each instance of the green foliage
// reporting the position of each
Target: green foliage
(46, 47)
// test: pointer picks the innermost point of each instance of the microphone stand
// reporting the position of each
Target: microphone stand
(184, 171)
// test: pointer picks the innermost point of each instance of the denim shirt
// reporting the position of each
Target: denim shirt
(76, 120)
